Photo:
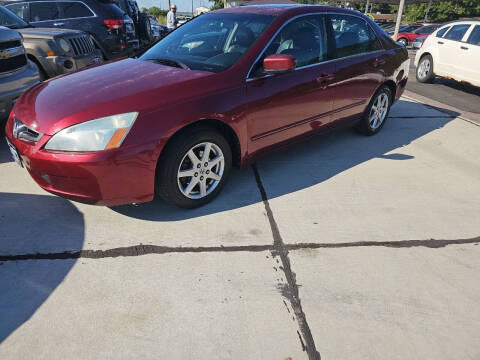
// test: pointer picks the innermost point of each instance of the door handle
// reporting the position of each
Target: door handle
(58, 24)
(440, 42)
(378, 62)
(463, 48)
(324, 79)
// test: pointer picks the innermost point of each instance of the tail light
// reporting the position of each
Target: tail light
(113, 24)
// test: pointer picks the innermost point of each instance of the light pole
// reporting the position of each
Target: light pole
(399, 19)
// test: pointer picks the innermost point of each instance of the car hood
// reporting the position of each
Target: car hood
(45, 33)
(7, 34)
(113, 88)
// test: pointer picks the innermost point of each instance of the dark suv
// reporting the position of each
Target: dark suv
(111, 29)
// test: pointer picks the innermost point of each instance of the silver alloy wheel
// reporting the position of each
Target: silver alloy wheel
(200, 170)
(378, 112)
(423, 68)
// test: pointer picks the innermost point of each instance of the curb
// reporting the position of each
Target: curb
(464, 115)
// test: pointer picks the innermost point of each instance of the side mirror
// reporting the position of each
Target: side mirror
(279, 63)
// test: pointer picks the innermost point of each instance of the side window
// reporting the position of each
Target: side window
(303, 38)
(21, 10)
(352, 36)
(456, 32)
(43, 11)
(442, 31)
(474, 37)
(70, 10)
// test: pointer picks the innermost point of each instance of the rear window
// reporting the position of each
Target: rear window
(474, 37)
(427, 30)
(457, 32)
(442, 31)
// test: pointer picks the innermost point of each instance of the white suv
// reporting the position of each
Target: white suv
(452, 51)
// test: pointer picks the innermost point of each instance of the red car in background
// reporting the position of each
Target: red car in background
(218, 91)
(408, 37)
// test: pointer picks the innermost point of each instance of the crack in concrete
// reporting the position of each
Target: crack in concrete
(139, 250)
(290, 289)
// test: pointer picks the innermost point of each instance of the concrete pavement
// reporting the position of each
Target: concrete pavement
(344, 247)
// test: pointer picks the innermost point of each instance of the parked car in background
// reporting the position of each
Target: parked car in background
(453, 51)
(221, 89)
(54, 51)
(17, 73)
(140, 19)
(159, 31)
(418, 42)
(110, 28)
(406, 28)
(407, 37)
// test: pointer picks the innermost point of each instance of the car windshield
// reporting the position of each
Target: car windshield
(210, 42)
(10, 20)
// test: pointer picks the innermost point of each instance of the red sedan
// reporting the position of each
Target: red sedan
(218, 91)
(409, 37)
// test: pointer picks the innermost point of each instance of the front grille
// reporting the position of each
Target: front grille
(10, 44)
(13, 63)
(82, 45)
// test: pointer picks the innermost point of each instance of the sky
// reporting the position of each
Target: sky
(182, 5)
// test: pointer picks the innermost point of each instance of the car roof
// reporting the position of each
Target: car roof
(463, 21)
(284, 9)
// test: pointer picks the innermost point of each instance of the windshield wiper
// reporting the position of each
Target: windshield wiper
(170, 62)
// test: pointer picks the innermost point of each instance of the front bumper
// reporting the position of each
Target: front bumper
(58, 65)
(113, 177)
(13, 84)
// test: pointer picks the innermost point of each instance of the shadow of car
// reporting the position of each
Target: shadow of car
(324, 157)
(31, 224)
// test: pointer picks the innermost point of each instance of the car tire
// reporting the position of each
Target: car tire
(144, 28)
(376, 113)
(403, 41)
(424, 72)
(201, 180)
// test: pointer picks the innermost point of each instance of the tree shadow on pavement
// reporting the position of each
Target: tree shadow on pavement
(31, 224)
(307, 164)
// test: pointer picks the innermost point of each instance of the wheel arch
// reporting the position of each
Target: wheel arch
(392, 86)
(217, 125)
(37, 62)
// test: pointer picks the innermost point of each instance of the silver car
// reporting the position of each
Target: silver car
(17, 73)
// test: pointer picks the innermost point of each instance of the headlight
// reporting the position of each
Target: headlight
(64, 45)
(94, 135)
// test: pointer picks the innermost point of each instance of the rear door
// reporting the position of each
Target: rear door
(284, 106)
(360, 62)
(471, 58)
(45, 14)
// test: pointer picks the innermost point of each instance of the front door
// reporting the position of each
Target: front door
(284, 106)
(449, 51)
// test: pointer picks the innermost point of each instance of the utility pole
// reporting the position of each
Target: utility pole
(399, 19)
(169, 5)
(428, 10)
(366, 7)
